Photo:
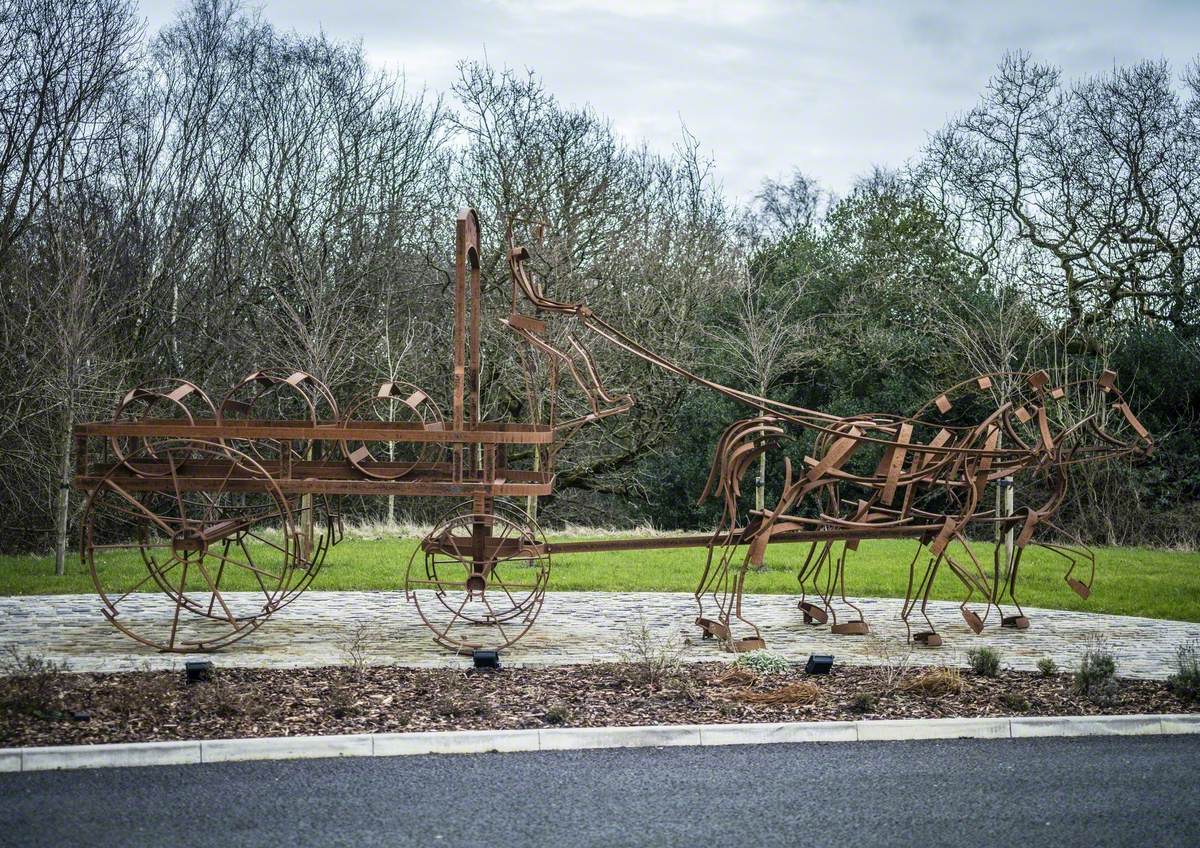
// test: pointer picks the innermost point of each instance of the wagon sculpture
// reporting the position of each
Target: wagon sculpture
(202, 494)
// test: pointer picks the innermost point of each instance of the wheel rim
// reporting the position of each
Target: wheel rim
(276, 396)
(170, 398)
(393, 402)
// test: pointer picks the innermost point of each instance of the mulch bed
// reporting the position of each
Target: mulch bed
(50, 707)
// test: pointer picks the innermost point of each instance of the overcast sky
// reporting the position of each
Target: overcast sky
(829, 87)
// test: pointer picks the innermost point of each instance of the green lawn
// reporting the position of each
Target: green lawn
(1129, 581)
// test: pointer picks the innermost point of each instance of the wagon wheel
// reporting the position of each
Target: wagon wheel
(169, 398)
(393, 402)
(206, 537)
(478, 580)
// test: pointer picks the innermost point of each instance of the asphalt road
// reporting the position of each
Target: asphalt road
(1013, 793)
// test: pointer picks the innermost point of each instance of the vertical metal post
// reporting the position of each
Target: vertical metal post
(460, 328)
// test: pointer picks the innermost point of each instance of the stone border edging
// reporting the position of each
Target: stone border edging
(574, 738)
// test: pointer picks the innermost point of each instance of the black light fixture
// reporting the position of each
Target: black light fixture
(198, 671)
(818, 664)
(486, 660)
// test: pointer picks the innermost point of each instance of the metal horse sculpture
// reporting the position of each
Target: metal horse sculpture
(201, 496)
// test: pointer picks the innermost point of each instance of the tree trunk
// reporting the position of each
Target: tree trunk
(760, 483)
(62, 503)
(531, 501)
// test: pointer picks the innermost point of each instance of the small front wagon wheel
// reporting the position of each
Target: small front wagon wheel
(478, 580)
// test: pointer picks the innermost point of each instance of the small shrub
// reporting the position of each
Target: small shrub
(557, 714)
(30, 684)
(1097, 668)
(763, 662)
(1014, 701)
(653, 661)
(864, 702)
(734, 676)
(889, 667)
(1186, 679)
(454, 705)
(355, 648)
(216, 698)
(1047, 667)
(984, 661)
(934, 683)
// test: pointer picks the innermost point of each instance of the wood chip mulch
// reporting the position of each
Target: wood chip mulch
(52, 707)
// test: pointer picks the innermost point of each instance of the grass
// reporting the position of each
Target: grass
(1129, 581)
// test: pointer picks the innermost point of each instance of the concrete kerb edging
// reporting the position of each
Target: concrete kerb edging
(575, 738)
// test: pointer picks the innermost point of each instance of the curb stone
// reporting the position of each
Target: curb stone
(285, 748)
(892, 730)
(1126, 725)
(454, 742)
(652, 736)
(119, 755)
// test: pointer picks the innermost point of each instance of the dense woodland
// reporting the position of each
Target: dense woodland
(222, 196)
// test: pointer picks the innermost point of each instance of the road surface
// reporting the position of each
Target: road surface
(1014, 793)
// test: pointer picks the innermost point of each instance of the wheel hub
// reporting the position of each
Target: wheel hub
(188, 540)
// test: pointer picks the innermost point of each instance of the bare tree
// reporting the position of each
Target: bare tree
(58, 64)
(642, 238)
(770, 339)
(782, 208)
(1097, 178)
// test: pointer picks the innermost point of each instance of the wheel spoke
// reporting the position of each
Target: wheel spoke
(257, 577)
(130, 546)
(254, 535)
(178, 606)
(247, 565)
(495, 618)
(500, 580)
(141, 507)
(178, 494)
(220, 574)
(215, 592)
(216, 496)
(455, 616)
(442, 585)
(162, 572)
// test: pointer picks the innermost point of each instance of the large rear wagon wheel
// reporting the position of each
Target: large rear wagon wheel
(186, 559)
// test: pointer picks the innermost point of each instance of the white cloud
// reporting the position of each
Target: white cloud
(832, 88)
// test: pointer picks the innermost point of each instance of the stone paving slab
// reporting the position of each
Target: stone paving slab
(578, 627)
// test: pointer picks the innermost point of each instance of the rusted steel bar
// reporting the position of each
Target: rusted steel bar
(484, 433)
(701, 540)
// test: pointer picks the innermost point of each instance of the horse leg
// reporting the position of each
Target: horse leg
(930, 638)
(1018, 621)
(855, 627)
(747, 643)
(1074, 553)
(714, 582)
(813, 614)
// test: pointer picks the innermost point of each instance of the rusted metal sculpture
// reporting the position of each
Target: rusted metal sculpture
(249, 487)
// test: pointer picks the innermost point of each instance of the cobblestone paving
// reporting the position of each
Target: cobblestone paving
(577, 627)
